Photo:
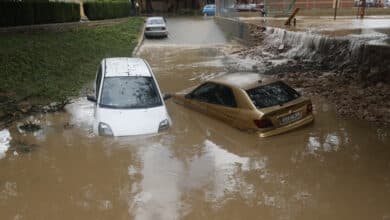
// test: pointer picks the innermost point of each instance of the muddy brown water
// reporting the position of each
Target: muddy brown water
(200, 168)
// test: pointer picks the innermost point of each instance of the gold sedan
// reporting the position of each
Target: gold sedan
(251, 102)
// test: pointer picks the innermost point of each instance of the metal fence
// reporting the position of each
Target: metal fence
(234, 8)
(226, 8)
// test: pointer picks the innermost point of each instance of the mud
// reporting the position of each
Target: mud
(12, 110)
(200, 168)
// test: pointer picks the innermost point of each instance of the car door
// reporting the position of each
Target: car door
(98, 82)
(215, 100)
(223, 105)
(199, 98)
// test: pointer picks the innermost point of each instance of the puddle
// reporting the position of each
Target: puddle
(200, 168)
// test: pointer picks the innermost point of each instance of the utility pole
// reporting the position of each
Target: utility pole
(335, 8)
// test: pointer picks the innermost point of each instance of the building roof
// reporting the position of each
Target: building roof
(125, 66)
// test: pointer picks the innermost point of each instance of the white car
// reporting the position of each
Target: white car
(156, 27)
(386, 3)
(128, 100)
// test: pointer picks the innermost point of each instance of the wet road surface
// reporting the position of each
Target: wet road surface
(200, 168)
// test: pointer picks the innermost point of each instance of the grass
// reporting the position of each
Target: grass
(53, 66)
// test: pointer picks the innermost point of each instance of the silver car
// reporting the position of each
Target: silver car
(156, 27)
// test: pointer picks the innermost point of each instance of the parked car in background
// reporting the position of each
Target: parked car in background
(127, 99)
(251, 102)
(370, 3)
(386, 3)
(246, 7)
(156, 27)
(209, 10)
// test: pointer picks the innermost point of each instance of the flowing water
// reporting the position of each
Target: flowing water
(200, 168)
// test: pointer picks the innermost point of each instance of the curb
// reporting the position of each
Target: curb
(141, 39)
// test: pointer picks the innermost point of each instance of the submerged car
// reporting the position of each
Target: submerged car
(127, 99)
(250, 102)
(209, 10)
(156, 27)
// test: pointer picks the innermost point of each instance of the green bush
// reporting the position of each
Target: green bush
(28, 13)
(106, 10)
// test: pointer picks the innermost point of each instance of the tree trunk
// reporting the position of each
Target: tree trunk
(133, 9)
(149, 8)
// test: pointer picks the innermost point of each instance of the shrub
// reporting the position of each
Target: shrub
(28, 13)
(106, 10)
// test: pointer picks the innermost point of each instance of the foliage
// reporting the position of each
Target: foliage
(106, 10)
(14, 13)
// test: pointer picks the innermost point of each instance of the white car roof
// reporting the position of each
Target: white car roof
(125, 66)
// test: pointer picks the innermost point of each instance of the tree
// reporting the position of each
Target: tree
(149, 7)
(133, 9)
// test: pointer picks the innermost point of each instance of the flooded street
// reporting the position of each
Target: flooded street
(200, 168)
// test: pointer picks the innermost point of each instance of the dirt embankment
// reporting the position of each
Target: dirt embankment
(353, 75)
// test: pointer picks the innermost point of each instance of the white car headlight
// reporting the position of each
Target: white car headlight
(105, 130)
(164, 124)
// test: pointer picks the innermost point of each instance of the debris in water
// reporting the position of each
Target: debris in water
(24, 106)
(67, 125)
(55, 106)
(30, 126)
(21, 147)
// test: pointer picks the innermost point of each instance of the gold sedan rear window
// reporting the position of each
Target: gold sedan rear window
(272, 94)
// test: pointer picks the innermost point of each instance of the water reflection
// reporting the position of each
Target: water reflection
(166, 179)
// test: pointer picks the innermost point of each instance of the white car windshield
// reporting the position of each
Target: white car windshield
(156, 21)
(130, 92)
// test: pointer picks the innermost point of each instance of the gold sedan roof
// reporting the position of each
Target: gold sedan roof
(243, 81)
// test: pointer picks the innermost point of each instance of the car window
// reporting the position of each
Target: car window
(276, 93)
(98, 81)
(130, 92)
(216, 94)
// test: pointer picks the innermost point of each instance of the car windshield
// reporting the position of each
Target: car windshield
(276, 93)
(156, 21)
(130, 92)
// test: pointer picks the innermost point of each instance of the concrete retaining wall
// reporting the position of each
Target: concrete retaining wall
(235, 29)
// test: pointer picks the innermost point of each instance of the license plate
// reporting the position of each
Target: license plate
(290, 118)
